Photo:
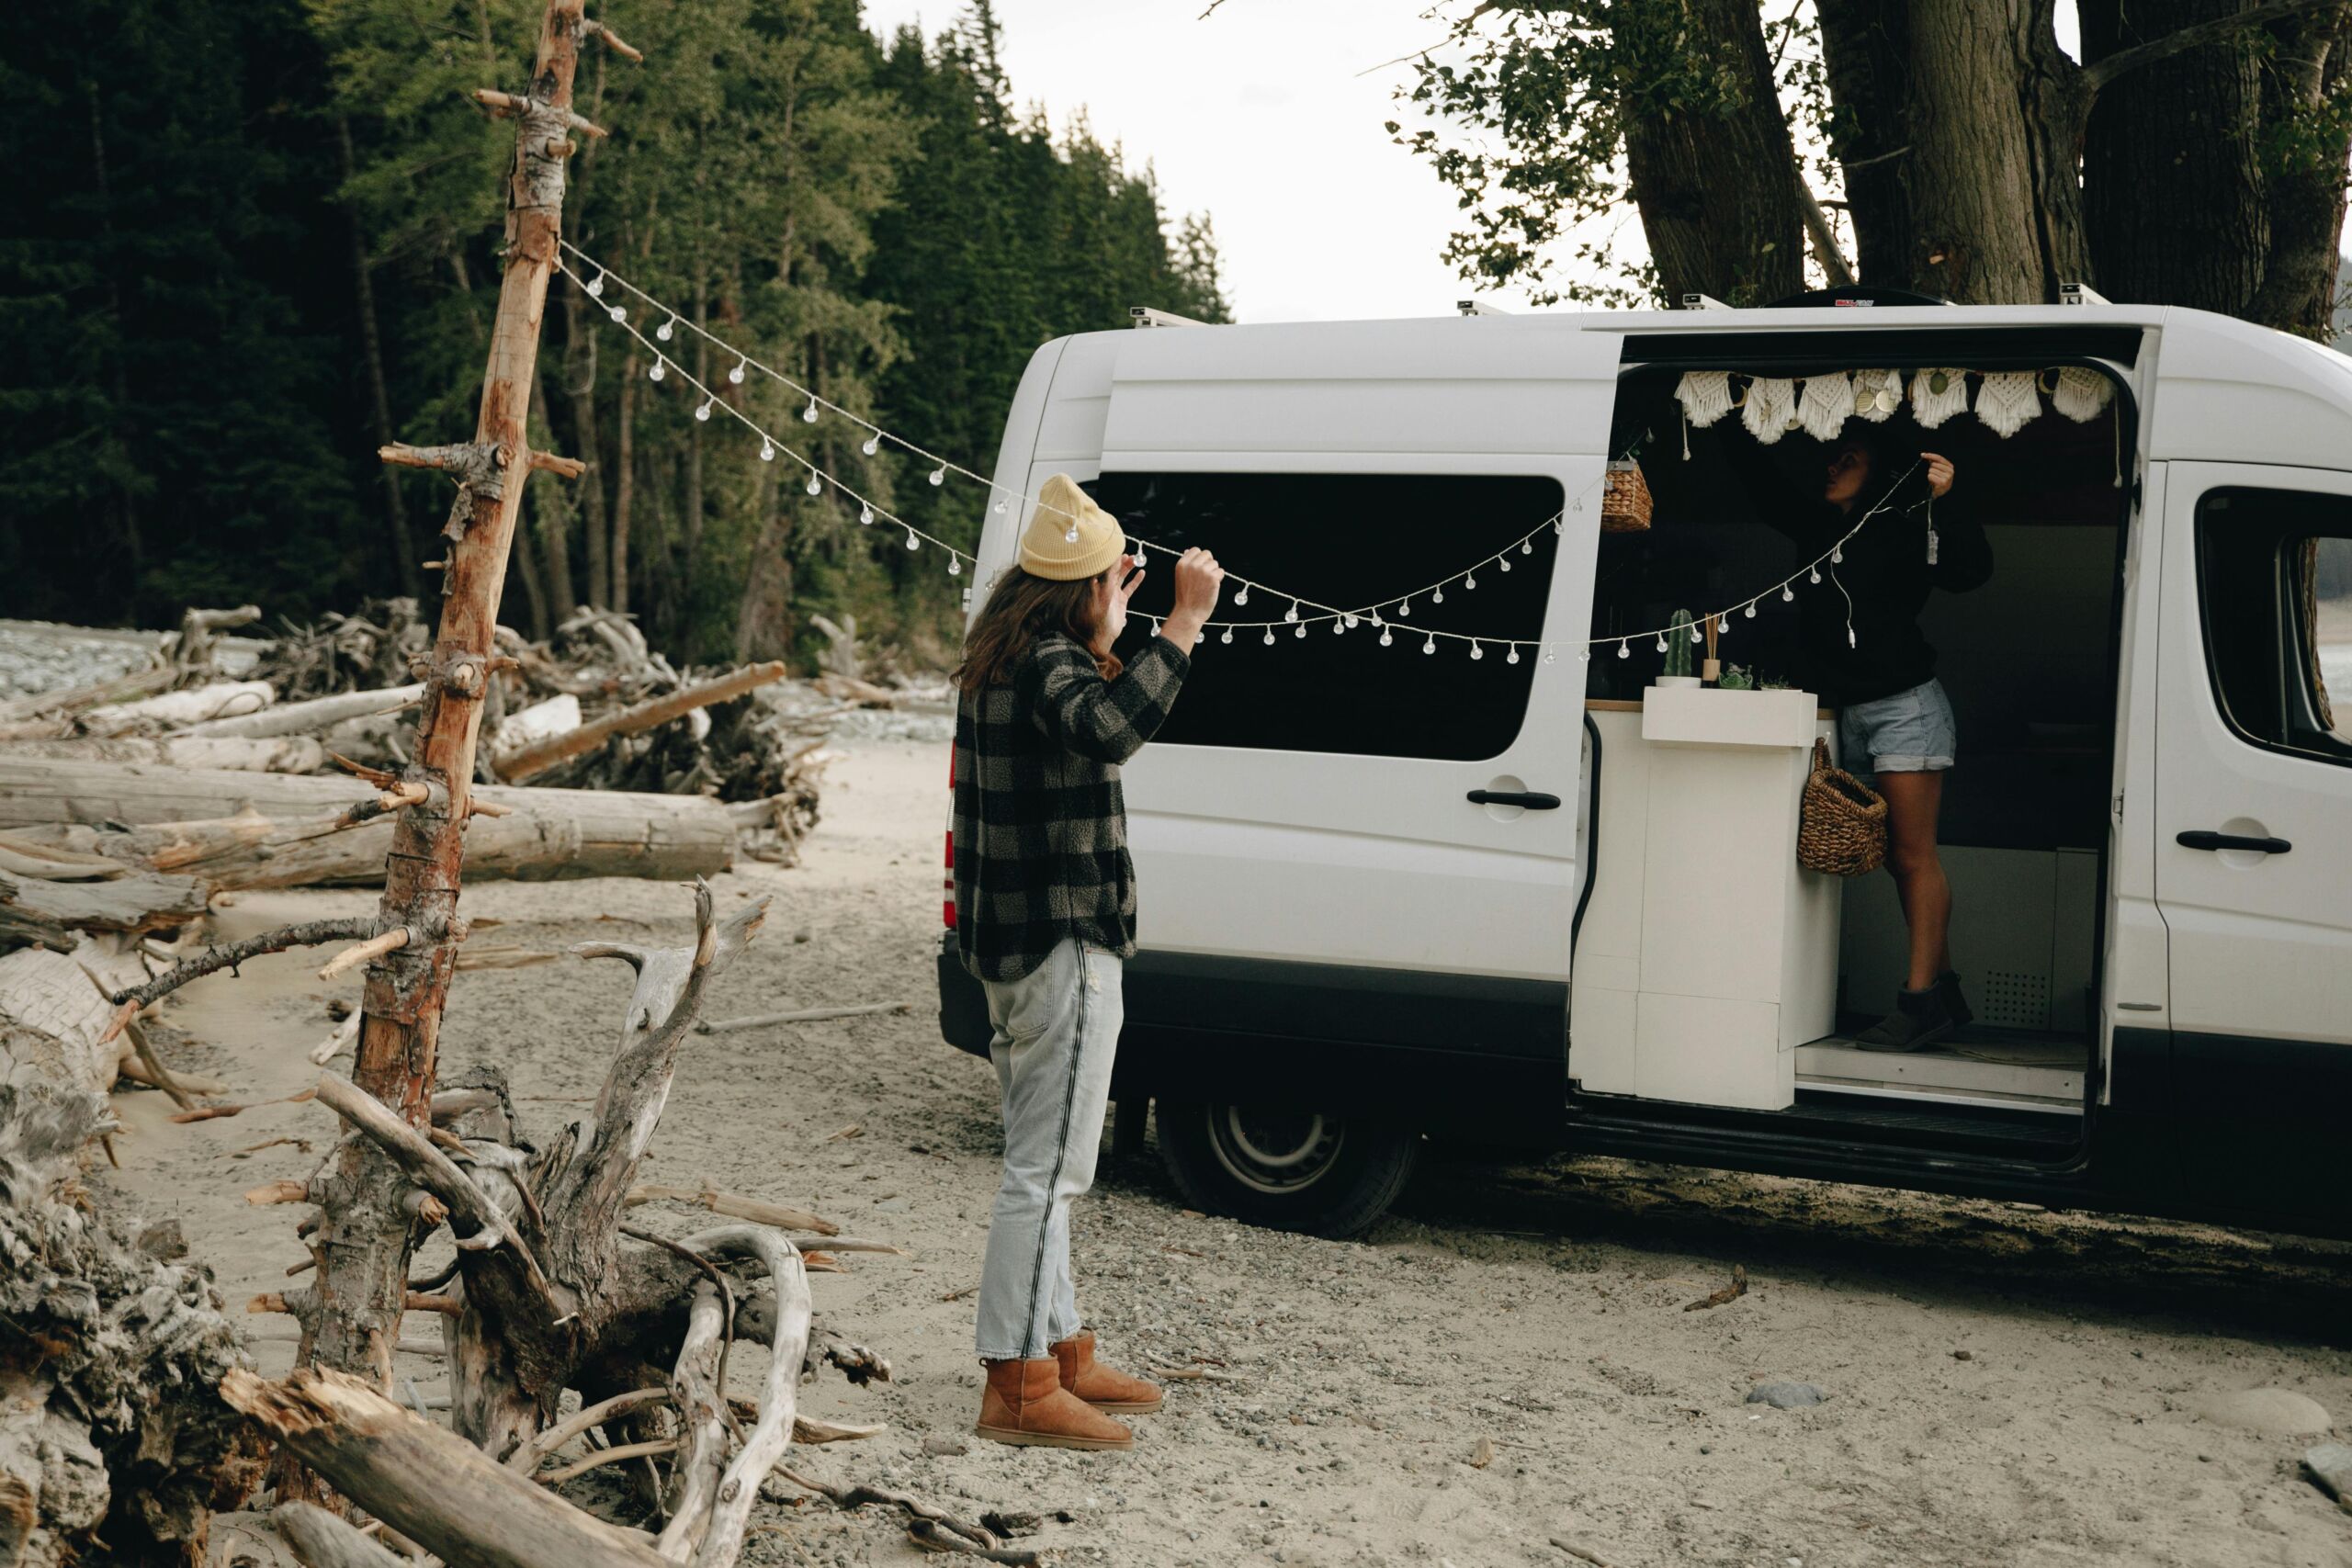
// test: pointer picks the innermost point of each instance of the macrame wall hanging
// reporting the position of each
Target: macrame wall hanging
(1823, 408)
(1705, 397)
(1771, 409)
(2080, 394)
(1936, 395)
(2007, 400)
(1877, 394)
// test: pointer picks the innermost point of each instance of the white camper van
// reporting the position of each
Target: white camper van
(1390, 889)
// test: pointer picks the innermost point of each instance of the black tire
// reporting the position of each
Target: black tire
(1323, 1173)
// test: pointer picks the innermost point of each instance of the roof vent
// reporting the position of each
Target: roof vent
(1478, 308)
(1145, 316)
(2080, 294)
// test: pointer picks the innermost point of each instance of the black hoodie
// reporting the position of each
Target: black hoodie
(1884, 577)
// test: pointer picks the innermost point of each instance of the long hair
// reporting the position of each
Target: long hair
(1021, 609)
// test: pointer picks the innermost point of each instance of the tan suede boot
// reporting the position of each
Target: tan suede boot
(1025, 1402)
(1105, 1388)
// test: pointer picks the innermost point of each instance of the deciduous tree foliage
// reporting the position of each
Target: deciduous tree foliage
(2197, 153)
(246, 244)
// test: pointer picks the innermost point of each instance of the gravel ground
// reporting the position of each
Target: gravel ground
(1503, 1363)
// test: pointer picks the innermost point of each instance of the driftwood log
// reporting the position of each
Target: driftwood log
(539, 756)
(268, 831)
(112, 1441)
(307, 717)
(283, 754)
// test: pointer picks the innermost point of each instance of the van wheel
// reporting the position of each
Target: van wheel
(1295, 1171)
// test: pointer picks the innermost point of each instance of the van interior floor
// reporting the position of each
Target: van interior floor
(1982, 1065)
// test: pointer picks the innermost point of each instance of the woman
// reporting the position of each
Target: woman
(1859, 646)
(1044, 913)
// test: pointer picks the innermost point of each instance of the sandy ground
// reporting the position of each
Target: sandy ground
(2006, 1386)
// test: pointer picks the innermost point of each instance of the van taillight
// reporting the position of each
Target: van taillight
(947, 883)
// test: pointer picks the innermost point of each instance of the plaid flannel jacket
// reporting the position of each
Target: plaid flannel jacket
(1040, 826)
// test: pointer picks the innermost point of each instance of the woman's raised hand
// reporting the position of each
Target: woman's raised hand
(1199, 580)
(1939, 472)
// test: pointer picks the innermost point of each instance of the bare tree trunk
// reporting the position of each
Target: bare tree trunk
(1995, 139)
(580, 392)
(2173, 186)
(1717, 193)
(1866, 45)
(553, 513)
(117, 492)
(624, 483)
(351, 1314)
(523, 565)
(2307, 195)
(694, 500)
(380, 402)
(760, 628)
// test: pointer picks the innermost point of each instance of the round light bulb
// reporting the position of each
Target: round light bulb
(1339, 626)
(1512, 657)
(913, 542)
(1269, 637)
(809, 414)
(702, 413)
(1723, 622)
(999, 507)
(1527, 546)
(1291, 613)
(1429, 645)
(1696, 635)
(1836, 555)
(1661, 642)
(736, 375)
(1385, 637)
(939, 476)
(1437, 595)
(1403, 606)
(1351, 619)
(1243, 596)
(870, 444)
(816, 485)
(1502, 564)
(1551, 656)
(665, 329)
(1787, 594)
(1300, 631)
(954, 567)
(767, 450)
(1227, 637)
(1469, 580)
(617, 313)
(865, 513)
(596, 285)
(1583, 654)
(1816, 574)
(657, 372)
(1622, 651)
(1477, 651)
(1070, 537)
(1749, 613)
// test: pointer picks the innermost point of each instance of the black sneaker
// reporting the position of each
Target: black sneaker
(1918, 1021)
(1948, 984)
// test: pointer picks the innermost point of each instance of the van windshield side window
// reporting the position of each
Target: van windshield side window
(2274, 586)
(1358, 541)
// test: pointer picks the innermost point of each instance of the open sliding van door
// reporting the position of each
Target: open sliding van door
(1356, 838)
(2251, 1064)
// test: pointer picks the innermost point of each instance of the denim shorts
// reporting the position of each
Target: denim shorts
(1910, 732)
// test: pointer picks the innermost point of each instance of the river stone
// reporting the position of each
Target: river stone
(2330, 1465)
(2274, 1411)
(1786, 1396)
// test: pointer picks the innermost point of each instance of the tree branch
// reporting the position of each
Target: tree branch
(308, 934)
(2101, 73)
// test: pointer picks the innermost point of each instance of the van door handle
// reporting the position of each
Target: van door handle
(1532, 800)
(2202, 839)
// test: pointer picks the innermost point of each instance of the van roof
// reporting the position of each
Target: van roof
(2214, 388)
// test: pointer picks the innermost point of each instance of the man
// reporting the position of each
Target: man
(1046, 913)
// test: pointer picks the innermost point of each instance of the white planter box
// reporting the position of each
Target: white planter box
(1704, 716)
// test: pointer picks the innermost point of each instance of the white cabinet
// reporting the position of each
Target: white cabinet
(1706, 956)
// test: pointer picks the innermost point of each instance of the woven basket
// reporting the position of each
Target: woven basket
(1625, 501)
(1841, 822)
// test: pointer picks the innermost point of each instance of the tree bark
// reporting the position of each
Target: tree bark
(2307, 194)
(1865, 46)
(1717, 193)
(380, 402)
(624, 482)
(2173, 187)
(580, 392)
(523, 566)
(1995, 144)
(361, 1288)
(552, 509)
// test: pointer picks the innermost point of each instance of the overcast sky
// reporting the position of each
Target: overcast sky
(1268, 115)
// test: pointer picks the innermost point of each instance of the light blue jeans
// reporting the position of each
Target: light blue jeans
(1056, 1033)
(1910, 732)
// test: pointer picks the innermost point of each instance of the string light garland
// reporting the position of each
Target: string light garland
(1339, 617)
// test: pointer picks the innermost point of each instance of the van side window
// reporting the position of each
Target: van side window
(2274, 584)
(1356, 541)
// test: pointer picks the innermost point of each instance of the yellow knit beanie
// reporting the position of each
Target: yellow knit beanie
(1068, 536)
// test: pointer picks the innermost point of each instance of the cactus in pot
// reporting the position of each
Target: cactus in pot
(1682, 638)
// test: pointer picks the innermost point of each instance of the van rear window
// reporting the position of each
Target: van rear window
(1357, 541)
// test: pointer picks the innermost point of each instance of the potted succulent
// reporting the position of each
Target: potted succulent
(1681, 636)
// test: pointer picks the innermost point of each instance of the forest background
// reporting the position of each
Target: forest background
(243, 245)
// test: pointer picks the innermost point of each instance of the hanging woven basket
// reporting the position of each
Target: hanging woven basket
(1841, 822)
(1625, 499)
